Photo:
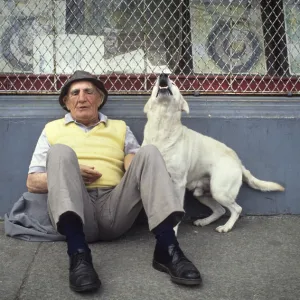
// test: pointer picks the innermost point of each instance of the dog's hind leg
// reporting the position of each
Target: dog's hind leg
(225, 184)
(217, 211)
(235, 210)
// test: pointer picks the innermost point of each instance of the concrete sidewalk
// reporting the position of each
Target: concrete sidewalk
(258, 260)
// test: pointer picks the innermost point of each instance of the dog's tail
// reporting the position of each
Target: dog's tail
(265, 186)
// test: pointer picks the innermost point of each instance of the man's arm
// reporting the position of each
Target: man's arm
(37, 183)
(131, 147)
(37, 177)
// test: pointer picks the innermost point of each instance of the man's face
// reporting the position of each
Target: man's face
(83, 100)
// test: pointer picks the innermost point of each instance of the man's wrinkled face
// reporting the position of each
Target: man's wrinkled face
(83, 101)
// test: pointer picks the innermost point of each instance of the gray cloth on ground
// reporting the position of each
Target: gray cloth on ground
(29, 220)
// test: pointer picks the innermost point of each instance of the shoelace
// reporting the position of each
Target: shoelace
(182, 263)
(78, 259)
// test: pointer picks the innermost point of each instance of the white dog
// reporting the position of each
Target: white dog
(196, 161)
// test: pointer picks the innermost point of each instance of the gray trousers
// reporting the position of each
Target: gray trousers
(108, 213)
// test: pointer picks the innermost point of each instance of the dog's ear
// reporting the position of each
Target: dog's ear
(147, 106)
(184, 106)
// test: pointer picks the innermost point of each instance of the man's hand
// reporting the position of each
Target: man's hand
(89, 174)
(127, 160)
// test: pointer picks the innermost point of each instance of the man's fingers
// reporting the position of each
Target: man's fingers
(89, 179)
(91, 172)
(91, 176)
(87, 170)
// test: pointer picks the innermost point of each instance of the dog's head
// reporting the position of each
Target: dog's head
(166, 93)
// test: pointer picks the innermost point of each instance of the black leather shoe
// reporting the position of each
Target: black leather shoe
(181, 270)
(83, 277)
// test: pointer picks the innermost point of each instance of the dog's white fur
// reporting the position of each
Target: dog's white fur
(196, 161)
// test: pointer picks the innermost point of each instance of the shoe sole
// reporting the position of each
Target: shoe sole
(86, 288)
(159, 267)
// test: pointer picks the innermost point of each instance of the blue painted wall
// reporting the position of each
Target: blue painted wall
(263, 131)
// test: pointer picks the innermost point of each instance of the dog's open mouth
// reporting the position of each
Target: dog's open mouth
(163, 86)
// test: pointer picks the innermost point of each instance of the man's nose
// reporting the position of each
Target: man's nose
(81, 96)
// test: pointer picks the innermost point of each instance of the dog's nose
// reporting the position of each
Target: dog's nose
(163, 80)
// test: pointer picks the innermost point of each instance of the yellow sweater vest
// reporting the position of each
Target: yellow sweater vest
(102, 147)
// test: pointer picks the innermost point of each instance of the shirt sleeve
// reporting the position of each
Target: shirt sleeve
(131, 144)
(39, 157)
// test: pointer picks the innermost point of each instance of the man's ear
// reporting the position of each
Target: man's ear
(184, 106)
(147, 106)
(65, 99)
(101, 98)
(101, 101)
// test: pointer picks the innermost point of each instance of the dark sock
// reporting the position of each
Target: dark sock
(71, 226)
(165, 235)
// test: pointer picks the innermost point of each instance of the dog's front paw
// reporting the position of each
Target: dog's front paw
(223, 228)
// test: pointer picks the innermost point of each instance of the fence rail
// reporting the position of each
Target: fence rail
(211, 46)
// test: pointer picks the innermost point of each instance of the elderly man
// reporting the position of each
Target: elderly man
(98, 179)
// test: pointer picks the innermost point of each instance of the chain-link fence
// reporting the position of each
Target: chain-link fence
(229, 46)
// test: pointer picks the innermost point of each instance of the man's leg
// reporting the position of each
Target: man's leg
(147, 184)
(73, 214)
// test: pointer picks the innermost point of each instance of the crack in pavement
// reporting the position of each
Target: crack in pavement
(27, 272)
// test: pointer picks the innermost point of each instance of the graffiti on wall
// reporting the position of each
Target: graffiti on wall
(20, 23)
(231, 39)
(292, 24)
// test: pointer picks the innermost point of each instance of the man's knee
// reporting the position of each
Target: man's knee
(61, 151)
(150, 155)
(149, 151)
